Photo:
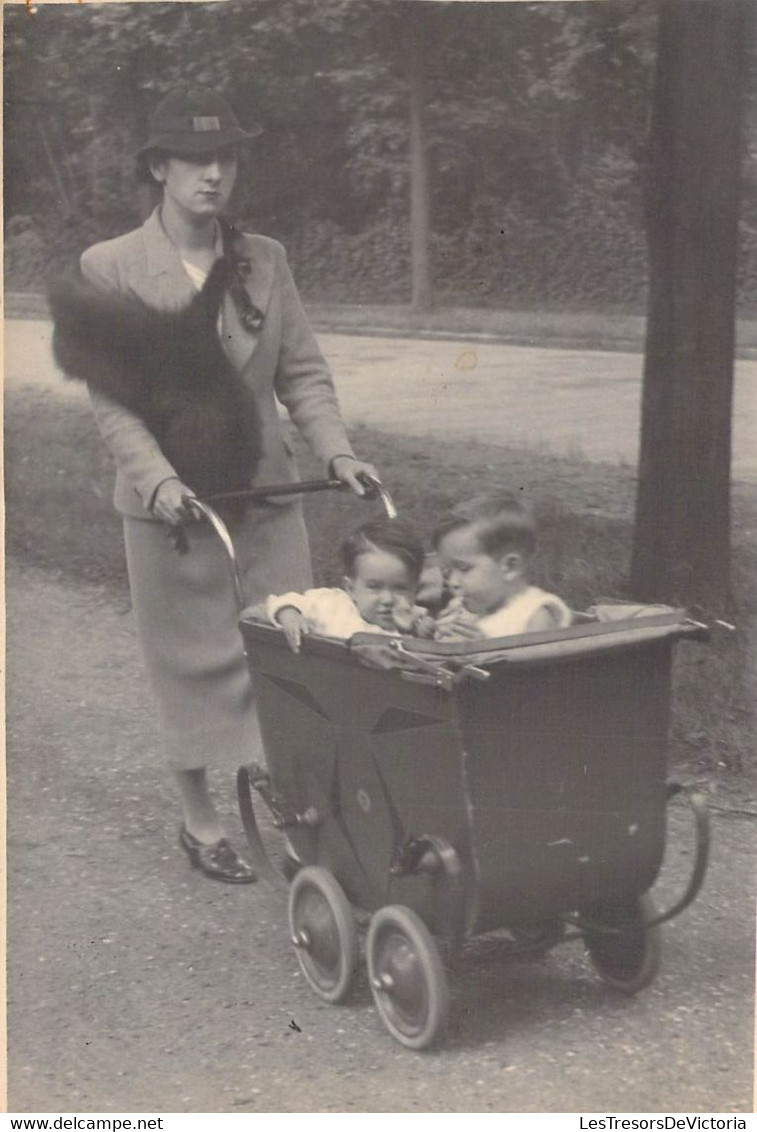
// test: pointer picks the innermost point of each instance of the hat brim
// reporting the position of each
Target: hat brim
(193, 144)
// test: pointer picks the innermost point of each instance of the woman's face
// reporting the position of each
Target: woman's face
(197, 186)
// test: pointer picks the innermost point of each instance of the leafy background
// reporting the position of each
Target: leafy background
(536, 118)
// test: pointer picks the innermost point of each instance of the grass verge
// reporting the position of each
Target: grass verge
(59, 517)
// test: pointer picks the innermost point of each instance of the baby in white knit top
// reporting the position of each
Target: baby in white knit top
(382, 561)
(485, 548)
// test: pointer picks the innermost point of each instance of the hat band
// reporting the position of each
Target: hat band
(204, 125)
(200, 124)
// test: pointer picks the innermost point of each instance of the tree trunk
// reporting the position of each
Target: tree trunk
(420, 224)
(681, 549)
(65, 199)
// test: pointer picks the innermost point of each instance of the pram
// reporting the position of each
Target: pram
(455, 789)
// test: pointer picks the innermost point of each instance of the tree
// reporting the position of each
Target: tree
(526, 130)
(682, 536)
(420, 213)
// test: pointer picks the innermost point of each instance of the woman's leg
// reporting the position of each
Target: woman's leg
(200, 817)
(201, 836)
(187, 627)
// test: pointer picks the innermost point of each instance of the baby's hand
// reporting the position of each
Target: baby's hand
(456, 622)
(294, 625)
(411, 619)
(403, 615)
(424, 626)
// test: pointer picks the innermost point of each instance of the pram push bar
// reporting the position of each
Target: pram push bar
(374, 488)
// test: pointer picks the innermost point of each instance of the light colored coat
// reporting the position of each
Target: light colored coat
(283, 361)
(183, 604)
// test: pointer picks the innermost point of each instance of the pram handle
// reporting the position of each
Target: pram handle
(373, 485)
(218, 525)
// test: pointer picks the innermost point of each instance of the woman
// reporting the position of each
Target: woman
(185, 612)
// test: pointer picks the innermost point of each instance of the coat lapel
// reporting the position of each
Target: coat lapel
(258, 280)
(170, 286)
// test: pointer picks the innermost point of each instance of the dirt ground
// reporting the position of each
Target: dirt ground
(137, 985)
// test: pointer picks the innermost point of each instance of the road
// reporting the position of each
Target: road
(135, 985)
(569, 402)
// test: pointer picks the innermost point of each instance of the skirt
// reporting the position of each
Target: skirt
(187, 625)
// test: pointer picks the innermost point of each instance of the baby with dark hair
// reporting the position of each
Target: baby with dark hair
(383, 561)
(485, 546)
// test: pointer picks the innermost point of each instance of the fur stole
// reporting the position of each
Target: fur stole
(167, 367)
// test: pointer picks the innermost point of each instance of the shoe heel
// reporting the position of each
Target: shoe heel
(191, 851)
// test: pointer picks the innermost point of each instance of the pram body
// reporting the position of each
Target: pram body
(519, 787)
(449, 790)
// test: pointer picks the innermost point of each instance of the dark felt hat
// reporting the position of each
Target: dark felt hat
(192, 122)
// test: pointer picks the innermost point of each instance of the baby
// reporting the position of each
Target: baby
(485, 548)
(383, 561)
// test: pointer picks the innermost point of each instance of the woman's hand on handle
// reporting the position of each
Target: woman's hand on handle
(170, 502)
(349, 470)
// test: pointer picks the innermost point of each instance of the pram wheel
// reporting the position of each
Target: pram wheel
(322, 929)
(629, 958)
(407, 979)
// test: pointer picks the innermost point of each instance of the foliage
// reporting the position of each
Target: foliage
(536, 119)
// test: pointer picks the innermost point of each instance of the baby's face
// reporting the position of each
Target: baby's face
(381, 584)
(477, 579)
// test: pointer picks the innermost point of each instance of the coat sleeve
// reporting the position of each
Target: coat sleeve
(303, 380)
(133, 447)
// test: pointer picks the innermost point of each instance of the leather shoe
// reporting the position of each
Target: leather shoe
(218, 861)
